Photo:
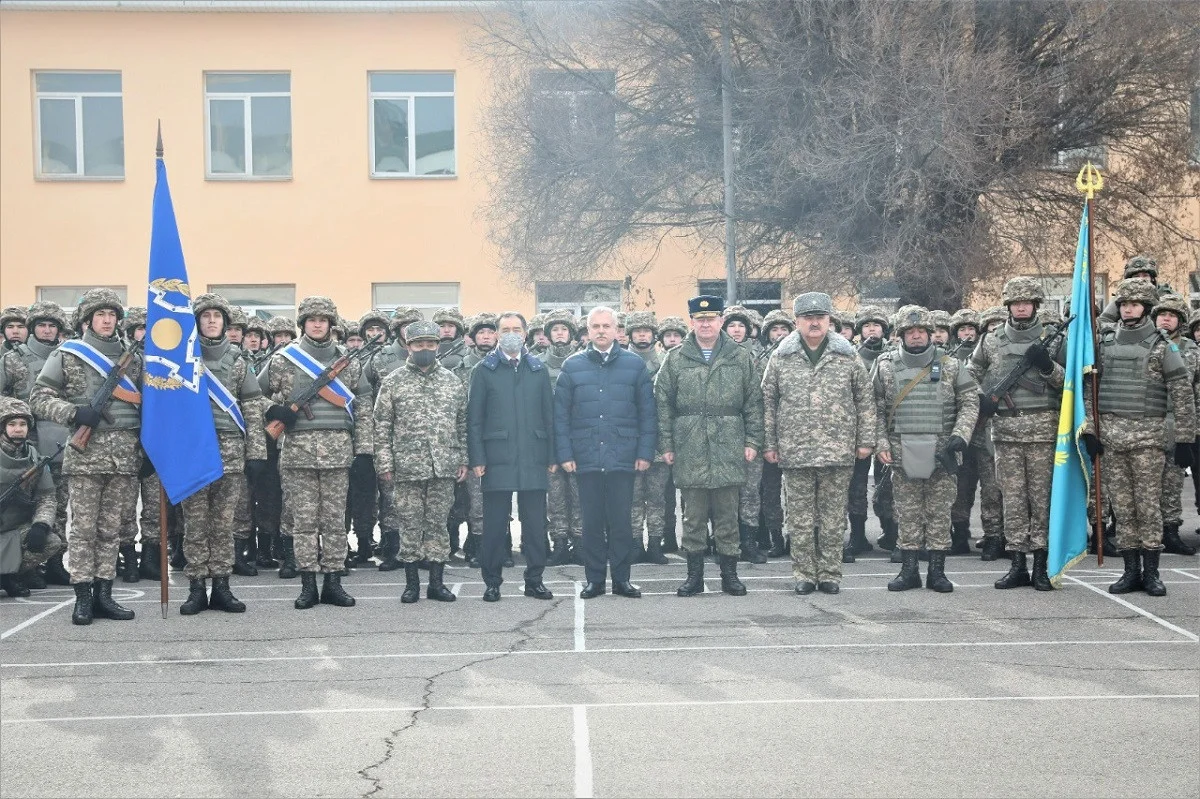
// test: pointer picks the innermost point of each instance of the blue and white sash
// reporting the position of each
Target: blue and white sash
(97, 360)
(225, 400)
(313, 369)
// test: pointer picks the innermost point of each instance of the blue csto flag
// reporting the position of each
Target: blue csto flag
(1072, 475)
(178, 433)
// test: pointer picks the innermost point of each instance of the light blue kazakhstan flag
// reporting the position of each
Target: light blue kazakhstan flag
(177, 421)
(1072, 468)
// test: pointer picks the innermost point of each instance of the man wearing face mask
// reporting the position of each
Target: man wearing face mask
(562, 497)
(650, 486)
(1169, 316)
(13, 323)
(873, 328)
(26, 517)
(420, 454)
(510, 446)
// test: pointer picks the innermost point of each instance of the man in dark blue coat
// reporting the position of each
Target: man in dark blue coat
(510, 447)
(605, 429)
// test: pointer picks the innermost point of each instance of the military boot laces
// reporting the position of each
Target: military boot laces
(82, 614)
(148, 565)
(1018, 574)
(332, 592)
(1173, 544)
(730, 583)
(436, 589)
(1152, 584)
(1039, 578)
(910, 575)
(103, 604)
(694, 584)
(223, 598)
(1131, 579)
(412, 584)
(935, 578)
(129, 564)
(197, 599)
(308, 591)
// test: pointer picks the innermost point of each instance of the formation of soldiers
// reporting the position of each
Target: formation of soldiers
(766, 425)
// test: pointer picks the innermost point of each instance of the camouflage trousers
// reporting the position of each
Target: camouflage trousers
(650, 502)
(1172, 492)
(923, 509)
(978, 471)
(98, 504)
(1132, 486)
(243, 516)
(814, 506)
(315, 508)
(772, 497)
(881, 495)
(148, 517)
(1024, 473)
(208, 528)
(718, 504)
(562, 506)
(422, 507)
(749, 497)
(56, 544)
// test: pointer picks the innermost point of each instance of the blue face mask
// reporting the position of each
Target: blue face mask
(422, 358)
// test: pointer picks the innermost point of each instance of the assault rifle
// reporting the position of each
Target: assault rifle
(458, 347)
(104, 395)
(29, 474)
(1000, 391)
(300, 404)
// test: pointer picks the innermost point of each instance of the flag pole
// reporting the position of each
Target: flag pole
(162, 492)
(1089, 181)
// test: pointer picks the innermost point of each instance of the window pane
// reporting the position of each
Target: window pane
(389, 295)
(589, 294)
(271, 127)
(434, 123)
(412, 81)
(227, 136)
(246, 82)
(391, 137)
(249, 296)
(103, 137)
(58, 137)
(78, 81)
(69, 296)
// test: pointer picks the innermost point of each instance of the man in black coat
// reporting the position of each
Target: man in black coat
(510, 447)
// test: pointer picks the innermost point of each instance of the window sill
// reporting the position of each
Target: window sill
(79, 178)
(387, 176)
(248, 178)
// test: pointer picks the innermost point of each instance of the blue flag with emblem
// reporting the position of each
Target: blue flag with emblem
(178, 432)
(1072, 474)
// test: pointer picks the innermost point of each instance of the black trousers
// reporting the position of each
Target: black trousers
(531, 510)
(605, 505)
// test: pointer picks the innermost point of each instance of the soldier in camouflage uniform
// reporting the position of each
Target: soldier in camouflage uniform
(1194, 334)
(250, 518)
(941, 329)
(282, 330)
(671, 331)
(254, 340)
(270, 513)
(452, 349)
(1023, 427)
(362, 506)
(927, 405)
(819, 418)
(26, 518)
(1143, 380)
(650, 486)
(562, 498)
(237, 326)
(237, 411)
(776, 327)
(1140, 266)
(315, 454)
(420, 454)
(738, 325)
(13, 323)
(1170, 316)
(102, 479)
(481, 329)
(873, 327)
(536, 339)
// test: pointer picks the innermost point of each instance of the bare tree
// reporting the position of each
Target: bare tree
(929, 144)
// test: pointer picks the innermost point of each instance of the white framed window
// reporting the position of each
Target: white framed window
(425, 297)
(69, 296)
(763, 296)
(412, 124)
(248, 128)
(263, 300)
(80, 125)
(578, 296)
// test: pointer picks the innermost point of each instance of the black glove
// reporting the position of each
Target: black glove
(86, 416)
(282, 413)
(147, 468)
(956, 444)
(255, 469)
(363, 467)
(1092, 445)
(35, 539)
(987, 406)
(1183, 455)
(1039, 357)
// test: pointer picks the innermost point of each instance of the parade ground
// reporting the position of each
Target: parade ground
(1075, 693)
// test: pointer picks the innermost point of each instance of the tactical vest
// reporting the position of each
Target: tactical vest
(125, 415)
(326, 415)
(1011, 344)
(387, 360)
(922, 411)
(650, 357)
(19, 513)
(1126, 389)
(46, 434)
(554, 362)
(219, 360)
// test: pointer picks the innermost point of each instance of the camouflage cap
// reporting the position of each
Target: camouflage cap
(672, 324)
(997, 313)
(485, 319)
(13, 408)
(561, 316)
(1173, 303)
(739, 313)
(215, 302)
(1141, 263)
(95, 299)
(1136, 289)
(962, 317)
(422, 331)
(940, 318)
(911, 316)
(376, 317)
(777, 317)
(13, 313)
(450, 316)
(316, 306)
(403, 315)
(813, 303)
(1022, 289)
(641, 320)
(135, 317)
(46, 311)
(281, 324)
(872, 313)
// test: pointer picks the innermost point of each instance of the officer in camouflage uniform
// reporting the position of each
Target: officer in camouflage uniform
(776, 327)
(1023, 433)
(481, 329)
(927, 405)
(420, 454)
(1143, 380)
(208, 539)
(671, 331)
(27, 518)
(562, 499)
(316, 454)
(1170, 315)
(873, 328)
(819, 412)
(13, 323)
(650, 486)
(738, 325)
(101, 480)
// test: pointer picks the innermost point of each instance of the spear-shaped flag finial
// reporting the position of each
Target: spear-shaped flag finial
(158, 153)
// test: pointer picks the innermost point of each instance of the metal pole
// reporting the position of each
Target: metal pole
(727, 151)
(162, 548)
(1098, 532)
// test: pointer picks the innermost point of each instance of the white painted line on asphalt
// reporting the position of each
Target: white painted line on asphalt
(454, 589)
(1191, 636)
(865, 700)
(580, 641)
(1186, 574)
(32, 619)
(583, 754)
(594, 651)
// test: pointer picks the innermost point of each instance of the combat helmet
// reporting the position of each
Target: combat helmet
(777, 317)
(1175, 304)
(672, 324)
(13, 313)
(1022, 289)
(641, 320)
(940, 318)
(1194, 320)
(403, 315)
(911, 316)
(538, 322)
(281, 324)
(485, 319)
(756, 321)
(257, 325)
(561, 316)
(353, 329)
(206, 302)
(997, 313)
(1050, 316)
(239, 317)
(450, 316)
(135, 317)
(1141, 263)
(95, 299)
(965, 316)
(13, 408)
(46, 311)
(1135, 290)
(373, 316)
(872, 313)
(317, 306)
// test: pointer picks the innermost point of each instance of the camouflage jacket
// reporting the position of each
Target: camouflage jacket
(1038, 426)
(37, 501)
(420, 424)
(14, 375)
(236, 448)
(817, 416)
(956, 389)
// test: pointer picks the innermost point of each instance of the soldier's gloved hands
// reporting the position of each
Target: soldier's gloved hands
(147, 468)
(1183, 455)
(956, 444)
(987, 405)
(283, 414)
(35, 539)
(1039, 357)
(86, 416)
(255, 469)
(1092, 445)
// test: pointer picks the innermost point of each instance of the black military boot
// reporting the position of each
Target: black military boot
(935, 577)
(32, 579)
(910, 575)
(993, 547)
(1173, 544)
(13, 586)
(82, 614)
(471, 550)
(694, 584)
(1152, 584)
(960, 539)
(639, 551)
(366, 547)
(223, 598)
(56, 572)
(332, 592)
(654, 553)
(1131, 579)
(177, 559)
(847, 554)
(891, 531)
(1039, 578)
(1018, 573)
(242, 567)
(129, 564)
(670, 541)
(778, 546)
(508, 554)
(858, 543)
(287, 567)
(898, 554)
(730, 583)
(454, 529)
(436, 588)
(560, 553)
(264, 560)
(412, 584)
(103, 604)
(148, 565)
(750, 551)
(197, 599)
(389, 549)
(308, 591)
